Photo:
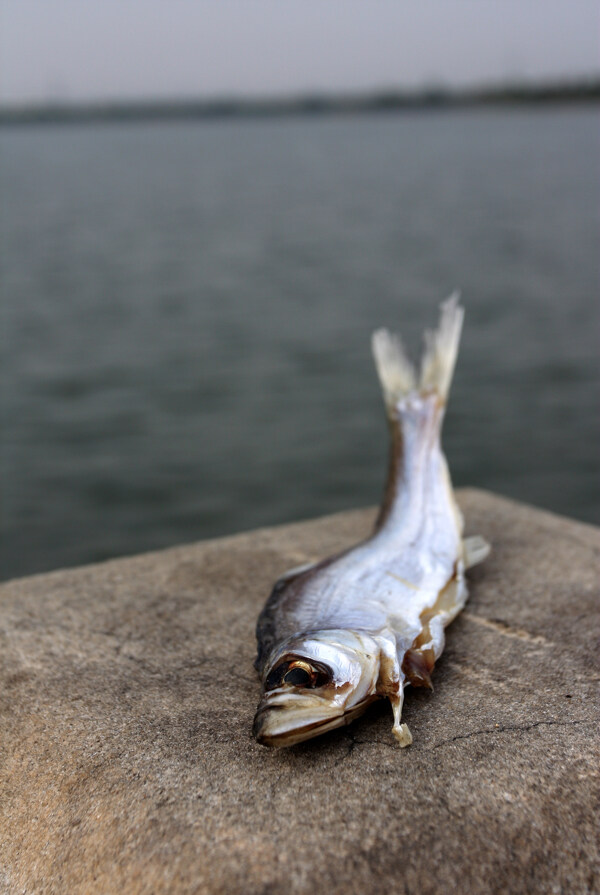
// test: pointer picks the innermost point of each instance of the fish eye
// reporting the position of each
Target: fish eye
(297, 673)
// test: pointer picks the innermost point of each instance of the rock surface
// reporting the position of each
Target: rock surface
(127, 695)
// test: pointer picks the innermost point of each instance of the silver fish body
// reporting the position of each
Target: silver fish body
(362, 625)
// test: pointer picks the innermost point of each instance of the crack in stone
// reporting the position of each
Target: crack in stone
(352, 743)
(505, 629)
(510, 727)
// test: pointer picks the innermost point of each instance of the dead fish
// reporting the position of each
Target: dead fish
(336, 635)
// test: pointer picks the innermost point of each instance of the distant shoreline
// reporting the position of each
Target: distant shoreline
(387, 101)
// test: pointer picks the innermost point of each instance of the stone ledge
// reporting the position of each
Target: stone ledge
(127, 763)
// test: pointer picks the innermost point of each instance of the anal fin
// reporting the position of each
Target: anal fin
(475, 550)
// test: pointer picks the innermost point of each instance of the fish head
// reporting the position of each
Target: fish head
(314, 683)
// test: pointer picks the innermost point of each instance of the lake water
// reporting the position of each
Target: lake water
(186, 312)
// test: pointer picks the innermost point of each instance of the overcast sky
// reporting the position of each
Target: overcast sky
(102, 49)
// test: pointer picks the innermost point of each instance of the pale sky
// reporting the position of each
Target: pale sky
(120, 49)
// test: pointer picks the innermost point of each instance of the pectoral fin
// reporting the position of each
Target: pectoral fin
(416, 669)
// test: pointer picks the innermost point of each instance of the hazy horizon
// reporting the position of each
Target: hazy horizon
(129, 51)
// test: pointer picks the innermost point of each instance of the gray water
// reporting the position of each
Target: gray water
(187, 308)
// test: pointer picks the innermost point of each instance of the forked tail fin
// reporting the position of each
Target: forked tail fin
(397, 374)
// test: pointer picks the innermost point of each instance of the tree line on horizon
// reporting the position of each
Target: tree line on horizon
(390, 100)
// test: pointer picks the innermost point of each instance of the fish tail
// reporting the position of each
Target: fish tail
(397, 374)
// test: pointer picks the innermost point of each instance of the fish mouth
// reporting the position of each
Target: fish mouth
(271, 728)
